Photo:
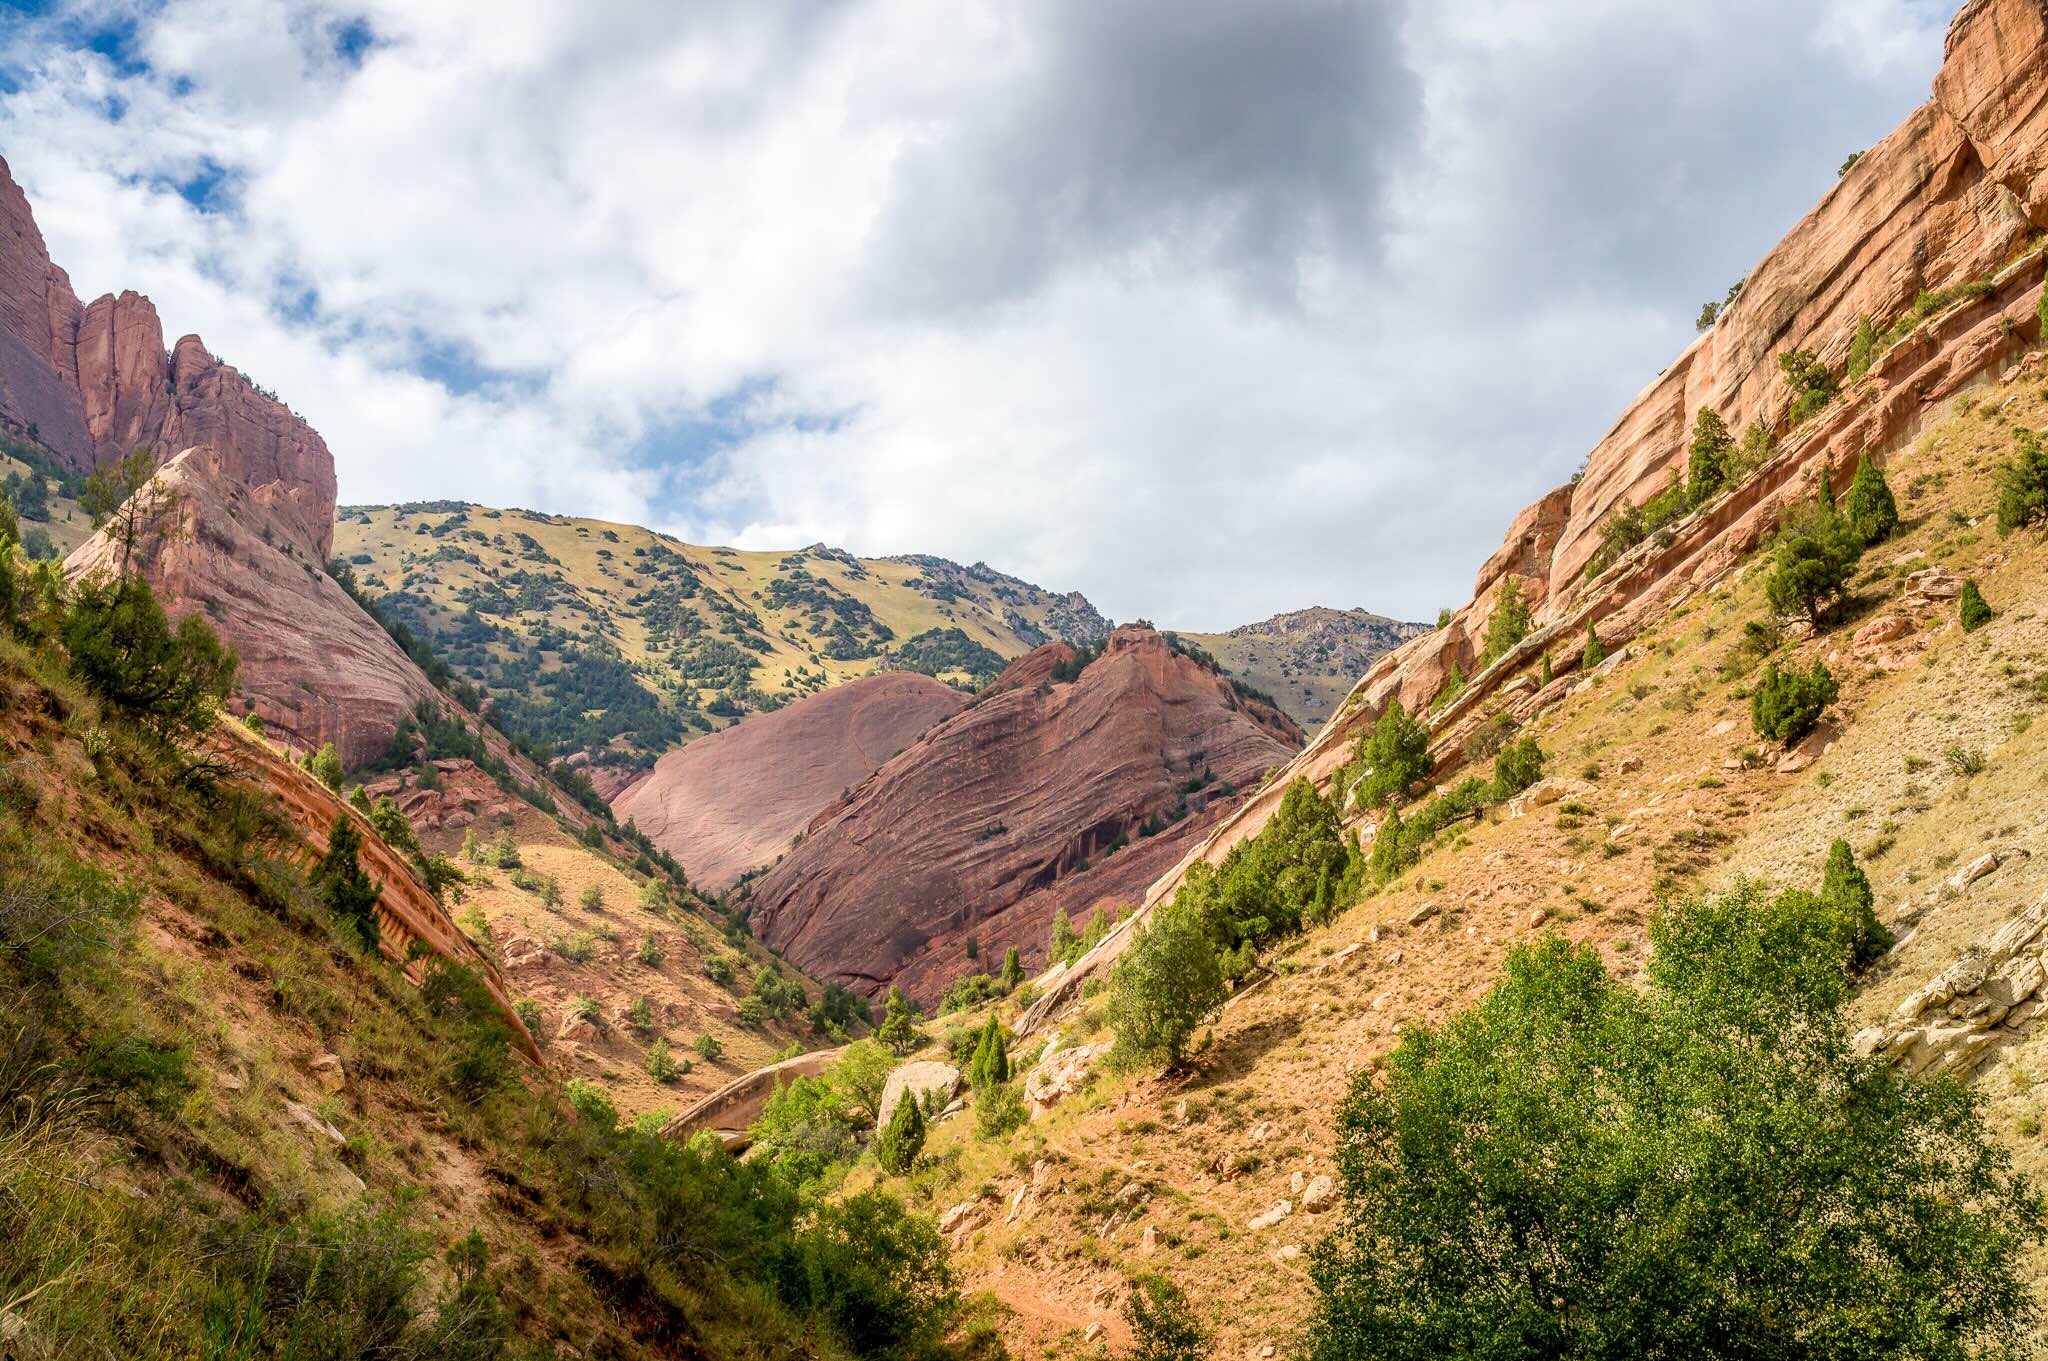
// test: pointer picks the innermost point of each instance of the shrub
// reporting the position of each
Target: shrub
(902, 1139)
(1063, 946)
(1575, 1169)
(1964, 761)
(1509, 623)
(708, 1048)
(650, 953)
(1594, 653)
(1786, 704)
(339, 881)
(2023, 484)
(663, 1066)
(1811, 563)
(1517, 766)
(1164, 1326)
(1812, 385)
(1162, 988)
(1972, 611)
(1845, 891)
(1869, 506)
(1708, 461)
(718, 968)
(1393, 756)
(325, 766)
(170, 681)
(998, 1110)
(591, 899)
(1863, 349)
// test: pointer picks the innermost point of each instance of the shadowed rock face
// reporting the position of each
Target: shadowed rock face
(984, 826)
(733, 801)
(95, 382)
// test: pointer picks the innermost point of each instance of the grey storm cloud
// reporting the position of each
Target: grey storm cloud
(1211, 134)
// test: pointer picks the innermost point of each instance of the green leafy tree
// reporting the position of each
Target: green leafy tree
(663, 1066)
(1389, 847)
(1395, 755)
(1164, 1326)
(999, 1110)
(709, 1047)
(1594, 653)
(1509, 623)
(170, 681)
(1972, 611)
(1544, 677)
(991, 1064)
(1845, 892)
(1786, 704)
(902, 1139)
(1576, 1169)
(1708, 461)
(1012, 976)
(1811, 563)
(326, 766)
(1162, 988)
(899, 1029)
(2023, 483)
(340, 881)
(1869, 506)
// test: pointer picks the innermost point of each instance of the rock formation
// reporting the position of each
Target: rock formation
(733, 801)
(314, 666)
(252, 489)
(95, 382)
(1034, 798)
(1956, 198)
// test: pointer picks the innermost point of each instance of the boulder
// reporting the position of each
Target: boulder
(918, 1080)
(1060, 1075)
(1320, 1195)
(1267, 1218)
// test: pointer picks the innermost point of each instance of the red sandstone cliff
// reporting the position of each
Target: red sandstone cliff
(1005, 812)
(253, 484)
(733, 801)
(96, 382)
(1957, 194)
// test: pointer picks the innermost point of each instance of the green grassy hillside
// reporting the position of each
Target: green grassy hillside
(618, 640)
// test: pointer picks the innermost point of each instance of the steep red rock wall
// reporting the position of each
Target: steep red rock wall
(984, 826)
(316, 668)
(733, 801)
(1957, 194)
(96, 383)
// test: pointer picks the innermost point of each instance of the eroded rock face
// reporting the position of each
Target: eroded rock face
(95, 382)
(314, 666)
(916, 1081)
(734, 801)
(983, 827)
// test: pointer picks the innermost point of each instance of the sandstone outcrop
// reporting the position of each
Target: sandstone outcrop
(407, 914)
(1956, 199)
(1034, 798)
(95, 382)
(314, 666)
(734, 801)
(916, 1081)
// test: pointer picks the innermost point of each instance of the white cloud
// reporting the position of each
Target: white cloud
(1208, 310)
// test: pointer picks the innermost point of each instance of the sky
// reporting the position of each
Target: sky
(1208, 309)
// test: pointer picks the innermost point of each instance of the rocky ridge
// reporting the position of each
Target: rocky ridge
(1035, 798)
(735, 800)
